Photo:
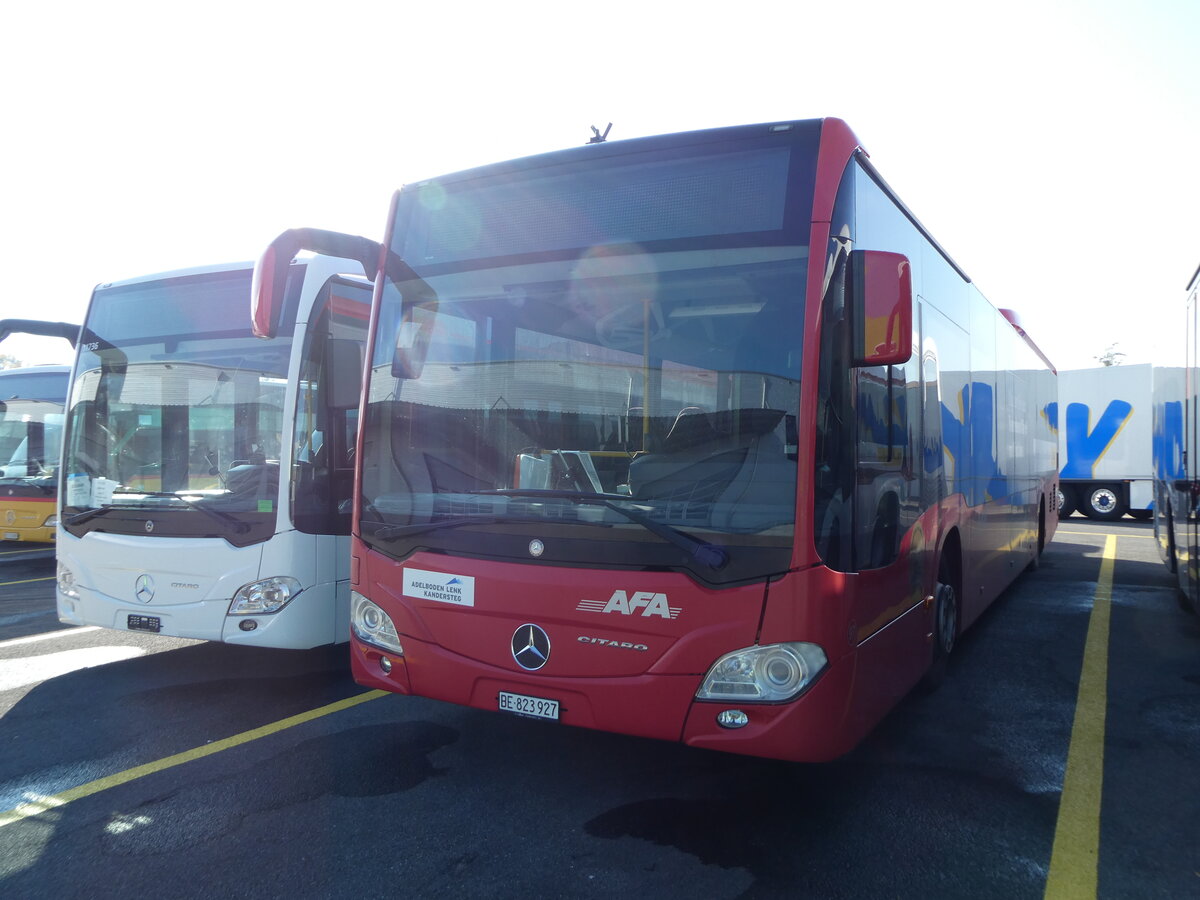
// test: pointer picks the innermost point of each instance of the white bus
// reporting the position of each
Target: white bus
(208, 465)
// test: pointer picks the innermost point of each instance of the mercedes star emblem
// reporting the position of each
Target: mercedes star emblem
(149, 526)
(536, 547)
(143, 588)
(530, 647)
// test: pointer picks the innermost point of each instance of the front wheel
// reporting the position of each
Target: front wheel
(1103, 502)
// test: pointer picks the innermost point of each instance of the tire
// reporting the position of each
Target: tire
(1066, 502)
(1183, 575)
(1182, 597)
(1168, 525)
(1036, 562)
(1103, 502)
(945, 634)
(1184, 601)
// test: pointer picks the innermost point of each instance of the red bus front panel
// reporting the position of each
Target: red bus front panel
(627, 650)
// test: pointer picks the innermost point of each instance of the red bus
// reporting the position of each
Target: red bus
(698, 437)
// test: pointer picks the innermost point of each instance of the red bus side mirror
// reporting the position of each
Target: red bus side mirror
(269, 285)
(267, 289)
(882, 299)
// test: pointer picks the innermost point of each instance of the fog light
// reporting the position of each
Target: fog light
(732, 718)
(386, 665)
(247, 625)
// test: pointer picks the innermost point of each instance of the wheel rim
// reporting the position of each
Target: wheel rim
(947, 618)
(1104, 500)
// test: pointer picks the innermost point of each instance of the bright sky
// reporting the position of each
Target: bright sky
(1049, 145)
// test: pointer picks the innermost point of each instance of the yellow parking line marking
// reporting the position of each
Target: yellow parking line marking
(1074, 861)
(1127, 537)
(26, 581)
(38, 805)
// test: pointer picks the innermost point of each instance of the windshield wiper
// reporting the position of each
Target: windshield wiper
(711, 555)
(394, 532)
(79, 518)
(239, 527)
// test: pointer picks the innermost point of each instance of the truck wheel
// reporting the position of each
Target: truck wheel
(1103, 502)
(1066, 502)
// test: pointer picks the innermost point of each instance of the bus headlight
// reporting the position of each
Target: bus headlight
(767, 674)
(66, 582)
(51, 521)
(372, 625)
(269, 595)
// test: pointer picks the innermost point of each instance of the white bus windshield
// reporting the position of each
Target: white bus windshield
(177, 408)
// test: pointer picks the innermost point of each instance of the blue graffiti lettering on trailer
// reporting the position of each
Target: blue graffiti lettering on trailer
(1086, 446)
(1050, 414)
(969, 440)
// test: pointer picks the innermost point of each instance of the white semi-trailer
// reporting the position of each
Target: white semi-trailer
(1104, 441)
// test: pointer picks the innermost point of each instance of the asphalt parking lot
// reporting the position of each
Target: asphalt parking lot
(135, 764)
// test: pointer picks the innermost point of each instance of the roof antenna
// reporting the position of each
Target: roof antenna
(597, 137)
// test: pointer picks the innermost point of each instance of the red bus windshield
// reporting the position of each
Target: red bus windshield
(612, 353)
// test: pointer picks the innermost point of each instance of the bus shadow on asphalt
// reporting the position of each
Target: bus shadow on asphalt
(167, 702)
